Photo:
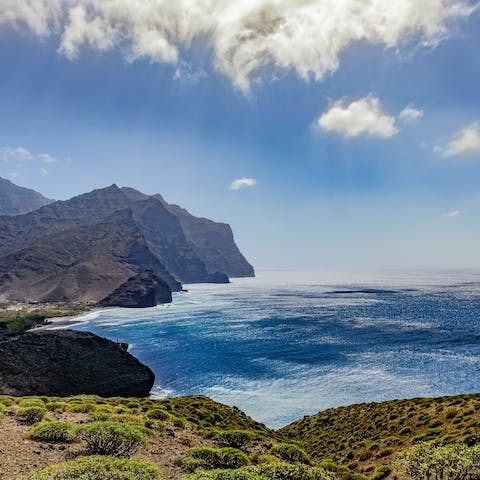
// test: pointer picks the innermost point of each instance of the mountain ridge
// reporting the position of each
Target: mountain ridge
(16, 200)
(84, 248)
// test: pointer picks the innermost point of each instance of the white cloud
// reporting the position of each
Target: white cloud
(46, 158)
(245, 36)
(452, 214)
(464, 142)
(18, 153)
(21, 155)
(43, 172)
(410, 114)
(242, 182)
(362, 116)
(39, 16)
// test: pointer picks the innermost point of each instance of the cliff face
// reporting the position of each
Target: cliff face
(84, 248)
(70, 363)
(15, 200)
(213, 242)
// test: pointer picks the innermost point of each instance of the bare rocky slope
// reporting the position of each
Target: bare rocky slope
(15, 200)
(82, 249)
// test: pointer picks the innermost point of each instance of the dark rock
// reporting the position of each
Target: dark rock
(68, 362)
(140, 291)
(217, 277)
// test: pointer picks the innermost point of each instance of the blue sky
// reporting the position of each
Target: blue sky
(342, 179)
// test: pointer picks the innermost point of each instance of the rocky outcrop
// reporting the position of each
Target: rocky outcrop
(15, 200)
(67, 362)
(140, 291)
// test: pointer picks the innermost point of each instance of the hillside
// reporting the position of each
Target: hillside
(82, 249)
(367, 435)
(15, 200)
(185, 435)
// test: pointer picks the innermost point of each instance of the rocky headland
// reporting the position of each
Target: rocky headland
(67, 362)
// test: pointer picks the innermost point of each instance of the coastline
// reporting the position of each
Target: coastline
(55, 323)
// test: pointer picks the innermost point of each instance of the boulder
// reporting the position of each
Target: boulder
(67, 362)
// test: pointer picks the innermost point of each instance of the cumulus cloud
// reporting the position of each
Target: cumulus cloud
(452, 214)
(363, 116)
(39, 16)
(242, 182)
(410, 114)
(465, 142)
(245, 37)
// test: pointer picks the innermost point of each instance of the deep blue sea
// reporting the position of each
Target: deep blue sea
(288, 344)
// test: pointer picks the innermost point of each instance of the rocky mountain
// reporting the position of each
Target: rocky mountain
(84, 248)
(15, 200)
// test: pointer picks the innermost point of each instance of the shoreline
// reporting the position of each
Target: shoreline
(55, 323)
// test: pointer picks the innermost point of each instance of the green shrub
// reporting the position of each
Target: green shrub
(158, 414)
(111, 438)
(381, 472)
(30, 415)
(51, 431)
(58, 407)
(191, 464)
(239, 474)
(236, 438)
(219, 457)
(80, 407)
(290, 453)
(428, 462)
(31, 402)
(285, 471)
(98, 468)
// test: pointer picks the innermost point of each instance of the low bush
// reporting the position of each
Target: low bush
(219, 457)
(51, 431)
(158, 414)
(239, 474)
(236, 438)
(30, 415)
(428, 462)
(281, 471)
(381, 472)
(98, 468)
(290, 453)
(111, 438)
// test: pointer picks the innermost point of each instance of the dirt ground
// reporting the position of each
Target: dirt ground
(19, 455)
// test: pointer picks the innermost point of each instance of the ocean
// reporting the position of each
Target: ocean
(288, 344)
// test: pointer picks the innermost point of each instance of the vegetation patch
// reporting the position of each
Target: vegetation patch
(111, 438)
(51, 431)
(370, 435)
(218, 458)
(98, 468)
(430, 462)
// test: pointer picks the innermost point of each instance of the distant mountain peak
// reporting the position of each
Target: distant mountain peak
(16, 200)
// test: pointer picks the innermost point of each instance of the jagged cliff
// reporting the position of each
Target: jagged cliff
(82, 249)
